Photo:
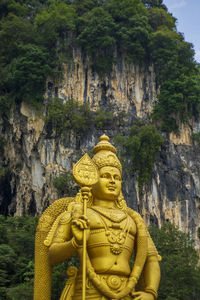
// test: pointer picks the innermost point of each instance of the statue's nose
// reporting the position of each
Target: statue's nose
(112, 179)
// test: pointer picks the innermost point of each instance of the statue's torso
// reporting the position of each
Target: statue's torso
(111, 240)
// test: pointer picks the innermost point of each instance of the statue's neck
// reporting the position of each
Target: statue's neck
(104, 203)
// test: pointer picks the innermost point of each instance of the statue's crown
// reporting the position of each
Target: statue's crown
(105, 154)
(104, 144)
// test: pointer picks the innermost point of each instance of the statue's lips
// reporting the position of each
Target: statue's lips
(111, 188)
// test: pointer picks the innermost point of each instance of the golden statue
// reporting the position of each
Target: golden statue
(104, 232)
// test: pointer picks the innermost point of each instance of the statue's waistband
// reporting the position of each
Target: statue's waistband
(114, 282)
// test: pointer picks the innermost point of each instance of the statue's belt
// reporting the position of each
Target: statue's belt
(114, 282)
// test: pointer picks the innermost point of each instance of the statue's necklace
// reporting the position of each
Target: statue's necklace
(116, 235)
(113, 215)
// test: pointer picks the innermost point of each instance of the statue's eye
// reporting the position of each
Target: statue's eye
(117, 177)
(106, 175)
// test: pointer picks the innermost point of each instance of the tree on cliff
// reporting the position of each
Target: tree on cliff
(38, 36)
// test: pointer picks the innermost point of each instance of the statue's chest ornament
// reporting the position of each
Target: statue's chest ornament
(116, 240)
(116, 233)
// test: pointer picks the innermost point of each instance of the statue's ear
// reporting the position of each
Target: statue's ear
(43, 268)
(121, 203)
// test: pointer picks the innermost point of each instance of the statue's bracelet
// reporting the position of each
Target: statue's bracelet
(75, 244)
(152, 292)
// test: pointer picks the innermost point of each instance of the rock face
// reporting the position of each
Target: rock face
(35, 158)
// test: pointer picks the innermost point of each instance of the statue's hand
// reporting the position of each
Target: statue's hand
(78, 226)
(142, 296)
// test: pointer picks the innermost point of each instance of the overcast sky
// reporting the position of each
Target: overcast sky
(187, 13)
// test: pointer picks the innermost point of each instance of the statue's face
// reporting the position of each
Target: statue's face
(109, 184)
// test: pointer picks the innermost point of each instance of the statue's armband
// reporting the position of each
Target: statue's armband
(151, 248)
(152, 251)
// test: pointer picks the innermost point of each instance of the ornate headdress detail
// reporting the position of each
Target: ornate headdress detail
(105, 154)
(104, 144)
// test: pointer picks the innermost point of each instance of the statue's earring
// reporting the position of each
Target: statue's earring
(120, 202)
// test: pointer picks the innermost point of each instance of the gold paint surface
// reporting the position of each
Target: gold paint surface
(85, 171)
(105, 236)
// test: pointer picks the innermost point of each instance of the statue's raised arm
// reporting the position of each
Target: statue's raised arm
(112, 232)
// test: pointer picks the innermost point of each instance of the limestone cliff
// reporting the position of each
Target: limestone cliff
(35, 158)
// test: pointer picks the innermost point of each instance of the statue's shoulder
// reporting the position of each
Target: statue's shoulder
(134, 215)
(56, 209)
(65, 217)
(57, 213)
(140, 224)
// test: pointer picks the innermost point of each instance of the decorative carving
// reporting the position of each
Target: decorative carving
(115, 216)
(104, 237)
(85, 171)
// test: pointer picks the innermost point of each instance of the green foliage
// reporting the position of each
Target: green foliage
(103, 119)
(142, 144)
(133, 37)
(179, 266)
(17, 237)
(6, 102)
(38, 36)
(83, 6)
(96, 37)
(27, 73)
(132, 28)
(59, 276)
(198, 232)
(65, 185)
(62, 117)
(178, 76)
(4, 184)
(57, 21)
(2, 143)
(122, 10)
(14, 31)
(154, 3)
(21, 8)
(196, 138)
(7, 264)
(158, 18)
(171, 55)
(178, 97)
(24, 65)
(23, 291)
(16, 256)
